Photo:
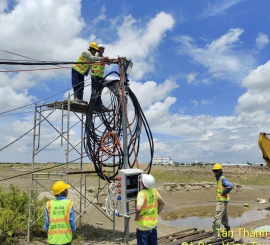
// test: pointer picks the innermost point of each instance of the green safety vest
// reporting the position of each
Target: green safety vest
(59, 229)
(97, 69)
(82, 68)
(149, 212)
(219, 190)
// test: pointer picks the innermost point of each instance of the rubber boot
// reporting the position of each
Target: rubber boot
(227, 229)
(215, 232)
(80, 97)
(75, 95)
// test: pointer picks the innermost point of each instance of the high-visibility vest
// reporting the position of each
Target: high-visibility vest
(82, 68)
(149, 212)
(59, 231)
(219, 190)
(97, 69)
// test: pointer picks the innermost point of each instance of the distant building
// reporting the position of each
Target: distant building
(162, 161)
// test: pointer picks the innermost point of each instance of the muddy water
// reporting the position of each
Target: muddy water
(206, 222)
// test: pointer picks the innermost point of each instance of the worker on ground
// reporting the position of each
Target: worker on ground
(223, 188)
(81, 70)
(97, 69)
(59, 216)
(149, 205)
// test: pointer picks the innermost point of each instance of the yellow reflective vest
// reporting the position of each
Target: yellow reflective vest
(59, 231)
(149, 212)
(82, 68)
(219, 190)
(97, 69)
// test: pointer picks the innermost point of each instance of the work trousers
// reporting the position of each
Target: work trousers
(77, 84)
(147, 237)
(221, 214)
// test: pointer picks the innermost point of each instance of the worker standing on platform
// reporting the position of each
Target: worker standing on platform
(101, 49)
(223, 188)
(149, 205)
(98, 68)
(81, 70)
(59, 216)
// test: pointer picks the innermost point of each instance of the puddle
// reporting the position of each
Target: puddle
(203, 222)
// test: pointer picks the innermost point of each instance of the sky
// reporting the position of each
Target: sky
(201, 71)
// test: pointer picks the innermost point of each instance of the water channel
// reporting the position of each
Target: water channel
(206, 222)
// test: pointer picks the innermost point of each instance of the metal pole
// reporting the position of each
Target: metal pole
(125, 149)
(113, 210)
(34, 138)
(81, 176)
(68, 125)
(31, 184)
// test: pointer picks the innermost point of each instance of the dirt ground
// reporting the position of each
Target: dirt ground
(181, 201)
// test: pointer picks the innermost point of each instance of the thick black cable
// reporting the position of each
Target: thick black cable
(29, 63)
(102, 120)
(5, 51)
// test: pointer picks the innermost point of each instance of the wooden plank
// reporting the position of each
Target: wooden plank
(193, 238)
(180, 235)
(176, 233)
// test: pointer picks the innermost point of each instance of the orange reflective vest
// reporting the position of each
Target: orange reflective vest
(59, 231)
(82, 68)
(219, 190)
(97, 69)
(149, 212)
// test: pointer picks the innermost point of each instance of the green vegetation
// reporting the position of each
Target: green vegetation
(239, 175)
(174, 176)
(14, 215)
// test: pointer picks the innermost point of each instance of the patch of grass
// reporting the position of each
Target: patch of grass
(191, 174)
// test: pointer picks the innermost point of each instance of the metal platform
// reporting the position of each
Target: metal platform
(74, 106)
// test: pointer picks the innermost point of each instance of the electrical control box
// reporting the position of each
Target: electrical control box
(128, 187)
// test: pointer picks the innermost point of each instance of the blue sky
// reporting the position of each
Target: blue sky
(201, 69)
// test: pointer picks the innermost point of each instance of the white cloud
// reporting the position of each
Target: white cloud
(139, 43)
(48, 29)
(191, 77)
(151, 92)
(220, 57)
(9, 99)
(3, 5)
(219, 7)
(51, 30)
(262, 40)
(101, 16)
(257, 95)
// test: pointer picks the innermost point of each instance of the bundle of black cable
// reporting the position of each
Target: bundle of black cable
(103, 128)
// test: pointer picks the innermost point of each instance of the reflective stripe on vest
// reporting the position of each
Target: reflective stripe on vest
(149, 212)
(97, 69)
(59, 229)
(219, 190)
(81, 68)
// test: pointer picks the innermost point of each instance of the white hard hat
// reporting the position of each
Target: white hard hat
(148, 180)
(101, 46)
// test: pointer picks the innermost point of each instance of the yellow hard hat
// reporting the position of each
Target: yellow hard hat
(217, 166)
(59, 186)
(93, 45)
